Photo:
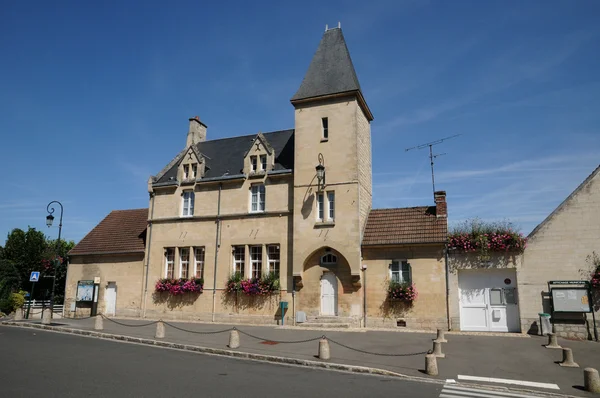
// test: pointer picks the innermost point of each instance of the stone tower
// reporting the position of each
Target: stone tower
(332, 128)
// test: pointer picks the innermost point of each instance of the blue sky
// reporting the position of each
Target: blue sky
(95, 97)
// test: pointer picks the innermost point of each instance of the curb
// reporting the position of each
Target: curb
(269, 358)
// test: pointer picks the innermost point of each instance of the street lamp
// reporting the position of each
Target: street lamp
(320, 168)
(49, 220)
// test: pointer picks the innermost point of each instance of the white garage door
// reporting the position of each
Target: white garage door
(488, 300)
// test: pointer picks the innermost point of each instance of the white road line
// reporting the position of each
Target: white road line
(510, 381)
(456, 392)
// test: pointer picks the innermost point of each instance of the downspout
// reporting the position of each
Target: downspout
(147, 266)
(364, 268)
(214, 301)
(447, 286)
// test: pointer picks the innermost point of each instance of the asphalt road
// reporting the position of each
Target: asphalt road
(39, 363)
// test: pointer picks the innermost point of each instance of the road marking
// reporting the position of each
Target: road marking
(510, 381)
(450, 381)
(451, 391)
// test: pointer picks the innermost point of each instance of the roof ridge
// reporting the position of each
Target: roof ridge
(403, 208)
(243, 136)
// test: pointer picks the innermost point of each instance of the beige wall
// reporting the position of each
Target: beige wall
(428, 275)
(558, 251)
(125, 270)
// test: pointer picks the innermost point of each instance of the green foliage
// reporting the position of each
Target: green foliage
(13, 302)
(478, 235)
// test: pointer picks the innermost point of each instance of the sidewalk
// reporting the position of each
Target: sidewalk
(523, 359)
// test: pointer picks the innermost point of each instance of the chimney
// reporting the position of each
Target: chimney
(441, 208)
(196, 133)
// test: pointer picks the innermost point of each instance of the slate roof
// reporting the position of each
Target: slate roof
(565, 202)
(226, 155)
(122, 231)
(331, 70)
(404, 226)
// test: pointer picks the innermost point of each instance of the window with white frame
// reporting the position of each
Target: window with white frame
(329, 259)
(325, 128)
(199, 262)
(273, 257)
(400, 271)
(330, 206)
(239, 260)
(263, 162)
(253, 163)
(256, 261)
(320, 206)
(184, 262)
(194, 170)
(169, 262)
(257, 198)
(186, 171)
(187, 208)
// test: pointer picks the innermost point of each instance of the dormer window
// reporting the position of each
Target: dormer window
(186, 171)
(253, 163)
(263, 162)
(194, 170)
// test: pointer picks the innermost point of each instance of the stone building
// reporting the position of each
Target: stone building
(294, 203)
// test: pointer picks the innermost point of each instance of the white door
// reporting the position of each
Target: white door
(110, 298)
(488, 300)
(328, 294)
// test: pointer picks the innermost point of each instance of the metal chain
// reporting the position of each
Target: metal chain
(279, 341)
(376, 353)
(196, 331)
(131, 326)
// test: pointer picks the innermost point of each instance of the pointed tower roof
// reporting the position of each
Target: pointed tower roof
(331, 72)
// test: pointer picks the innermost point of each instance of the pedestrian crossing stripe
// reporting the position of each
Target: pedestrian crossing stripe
(453, 391)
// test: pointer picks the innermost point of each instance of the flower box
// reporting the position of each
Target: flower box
(254, 286)
(179, 286)
(402, 292)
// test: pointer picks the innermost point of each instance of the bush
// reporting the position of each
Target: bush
(13, 302)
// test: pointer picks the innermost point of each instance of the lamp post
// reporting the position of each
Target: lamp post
(49, 220)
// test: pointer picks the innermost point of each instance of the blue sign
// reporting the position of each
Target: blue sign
(35, 276)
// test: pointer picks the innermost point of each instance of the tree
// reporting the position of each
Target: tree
(55, 256)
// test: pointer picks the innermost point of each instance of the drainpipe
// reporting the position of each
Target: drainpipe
(447, 286)
(147, 266)
(293, 299)
(216, 252)
(364, 268)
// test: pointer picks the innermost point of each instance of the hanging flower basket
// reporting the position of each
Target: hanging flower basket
(405, 292)
(179, 286)
(253, 287)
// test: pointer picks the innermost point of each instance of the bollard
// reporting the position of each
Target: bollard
(160, 330)
(431, 365)
(99, 324)
(440, 336)
(552, 341)
(568, 359)
(437, 350)
(19, 314)
(46, 317)
(324, 352)
(234, 339)
(591, 380)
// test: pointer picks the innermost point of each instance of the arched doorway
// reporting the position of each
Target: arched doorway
(326, 276)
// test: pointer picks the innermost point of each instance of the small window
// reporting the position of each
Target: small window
(194, 171)
(253, 163)
(239, 260)
(325, 127)
(187, 209)
(184, 262)
(320, 206)
(496, 297)
(331, 206)
(169, 262)
(257, 200)
(256, 261)
(273, 257)
(400, 271)
(199, 262)
(329, 259)
(186, 171)
(263, 162)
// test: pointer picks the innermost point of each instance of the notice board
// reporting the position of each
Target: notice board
(570, 299)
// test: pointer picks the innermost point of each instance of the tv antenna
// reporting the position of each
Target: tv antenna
(431, 155)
